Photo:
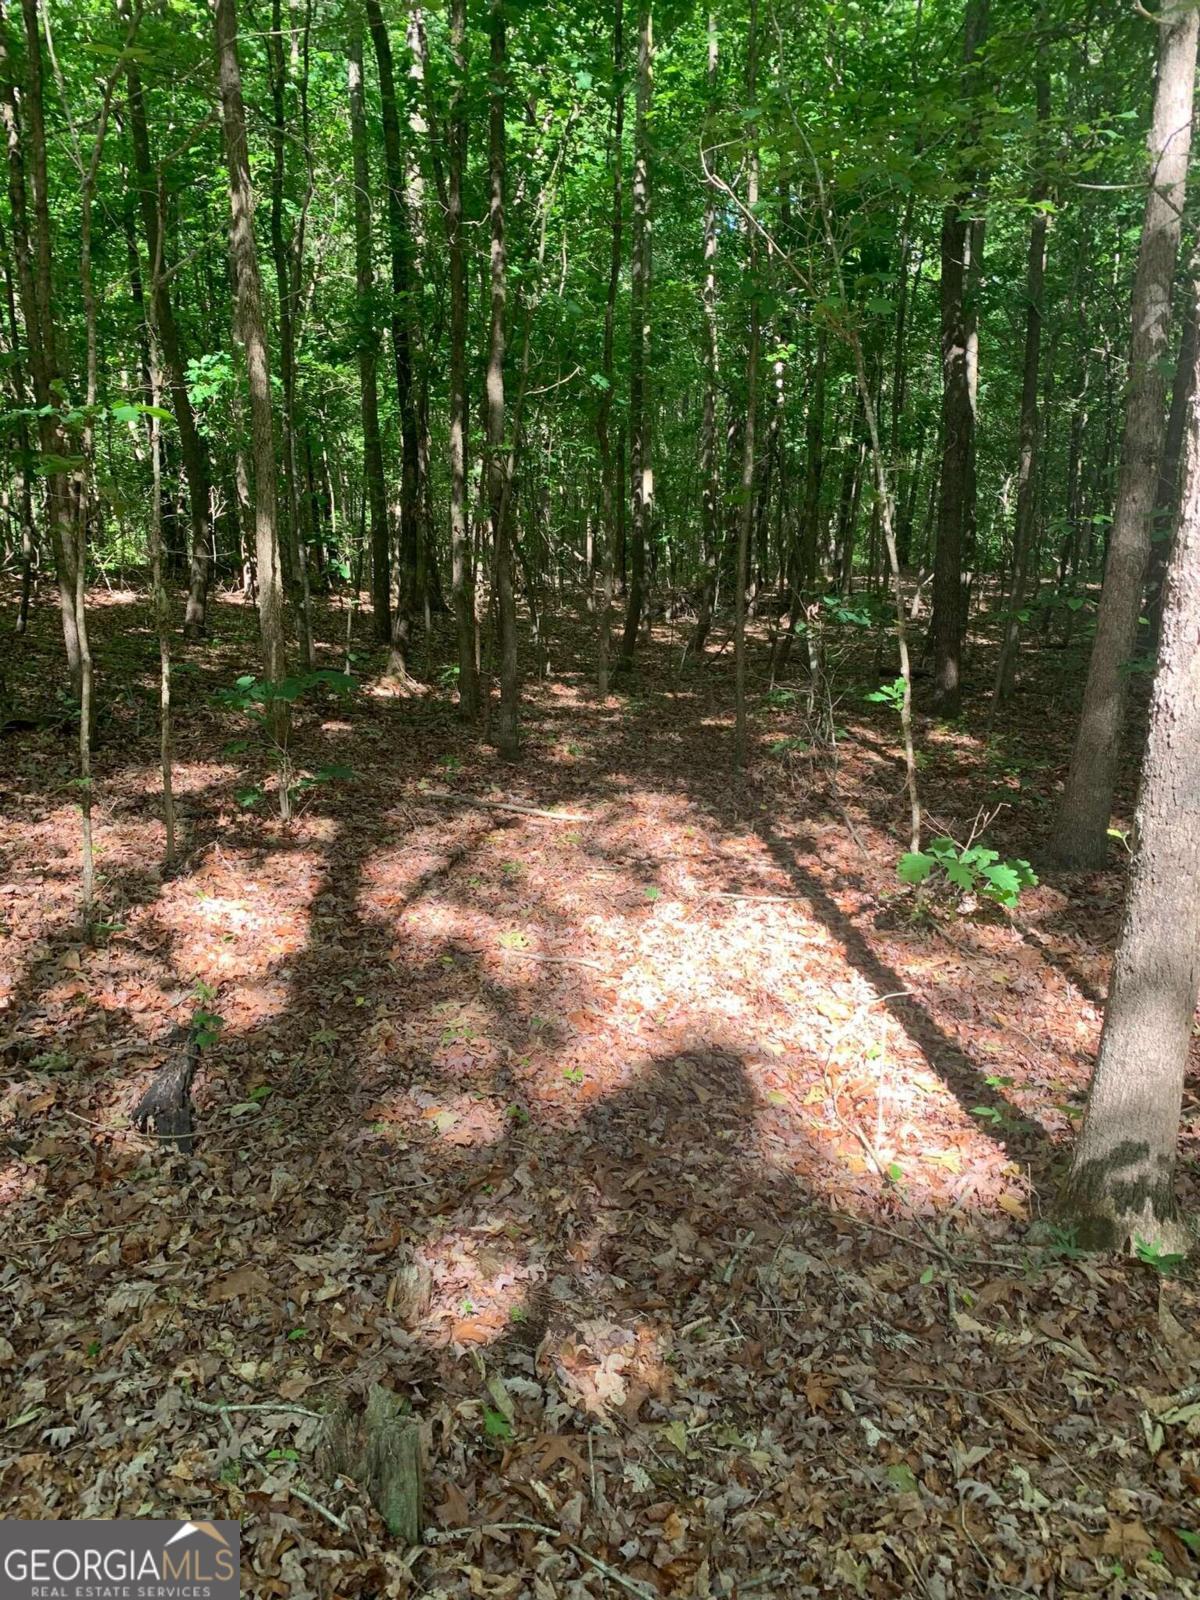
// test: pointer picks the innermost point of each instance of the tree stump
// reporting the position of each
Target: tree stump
(167, 1102)
(373, 1439)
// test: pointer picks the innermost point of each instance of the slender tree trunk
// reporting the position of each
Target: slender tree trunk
(710, 489)
(192, 446)
(162, 615)
(640, 406)
(461, 562)
(368, 344)
(507, 719)
(402, 322)
(610, 490)
(956, 511)
(32, 249)
(253, 334)
(1121, 1186)
(1023, 536)
(24, 445)
(746, 500)
(1080, 836)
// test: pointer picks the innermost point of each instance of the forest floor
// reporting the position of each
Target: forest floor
(678, 1176)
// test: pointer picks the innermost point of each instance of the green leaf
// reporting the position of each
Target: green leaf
(901, 1477)
(496, 1425)
(915, 866)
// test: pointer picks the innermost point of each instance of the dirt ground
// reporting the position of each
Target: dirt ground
(676, 1174)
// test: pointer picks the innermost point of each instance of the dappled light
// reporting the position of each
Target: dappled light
(599, 845)
(621, 1108)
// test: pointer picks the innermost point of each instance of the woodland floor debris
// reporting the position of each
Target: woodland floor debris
(701, 1262)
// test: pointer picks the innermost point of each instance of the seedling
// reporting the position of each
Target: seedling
(1167, 1263)
(974, 869)
(266, 705)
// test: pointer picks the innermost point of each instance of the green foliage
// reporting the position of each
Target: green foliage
(890, 694)
(974, 869)
(1167, 1263)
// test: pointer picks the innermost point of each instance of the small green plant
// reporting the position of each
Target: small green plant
(889, 694)
(265, 704)
(206, 1025)
(1167, 1263)
(780, 699)
(974, 869)
(781, 748)
(573, 1074)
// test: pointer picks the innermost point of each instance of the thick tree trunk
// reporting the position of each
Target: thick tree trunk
(956, 513)
(1080, 836)
(462, 575)
(1167, 495)
(368, 345)
(1120, 1189)
(640, 407)
(252, 330)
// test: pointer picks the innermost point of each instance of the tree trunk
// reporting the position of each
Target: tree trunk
(610, 489)
(32, 248)
(640, 408)
(746, 500)
(1167, 494)
(1080, 836)
(191, 444)
(461, 563)
(403, 313)
(253, 334)
(507, 720)
(1120, 1188)
(1035, 275)
(956, 512)
(710, 490)
(368, 344)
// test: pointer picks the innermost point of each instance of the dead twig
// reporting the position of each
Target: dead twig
(554, 961)
(501, 805)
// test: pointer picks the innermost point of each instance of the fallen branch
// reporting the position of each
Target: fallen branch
(629, 1584)
(227, 1406)
(501, 805)
(554, 961)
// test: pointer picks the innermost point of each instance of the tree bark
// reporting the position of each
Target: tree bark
(746, 500)
(253, 333)
(368, 344)
(1035, 277)
(402, 315)
(1120, 1188)
(462, 575)
(710, 490)
(1166, 497)
(507, 719)
(956, 511)
(1080, 837)
(32, 248)
(640, 407)
(192, 447)
(610, 488)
